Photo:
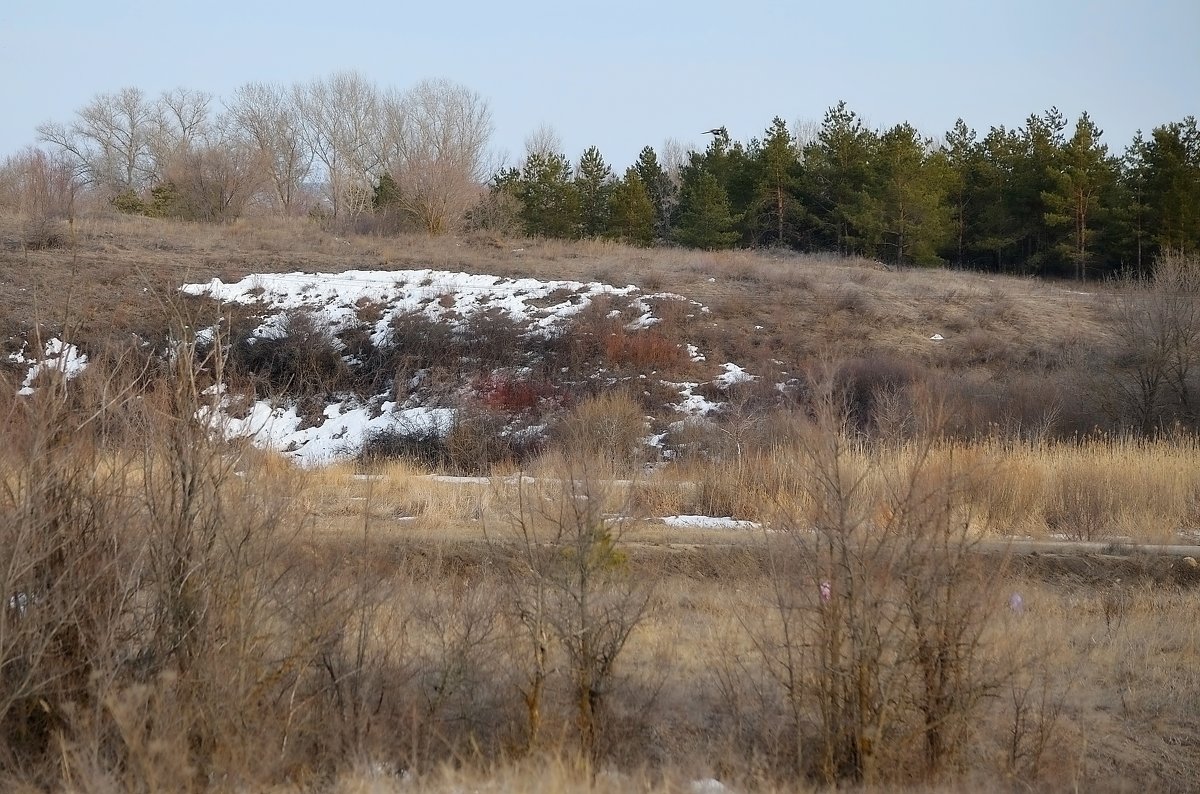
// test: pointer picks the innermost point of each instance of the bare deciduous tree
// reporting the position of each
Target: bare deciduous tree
(36, 183)
(111, 140)
(443, 134)
(181, 121)
(879, 602)
(266, 115)
(544, 141)
(213, 179)
(572, 584)
(339, 123)
(1157, 327)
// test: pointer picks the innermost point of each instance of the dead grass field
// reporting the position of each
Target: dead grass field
(1095, 683)
(1107, 490)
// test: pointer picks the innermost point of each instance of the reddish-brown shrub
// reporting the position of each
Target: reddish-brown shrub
(642, 350)
(501, 391)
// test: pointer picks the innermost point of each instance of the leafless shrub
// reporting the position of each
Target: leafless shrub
(302, 359)
(1037, 695)
(492, 340)
(495, 216)
(1157, 325)
(879, 615)
(1080, 503)
(41, 232)
(481, 439)
(421, 442)
(143, 583)
(460, 684)
(571, 585)
(476, 441)
(865, 382)
(360, 661)
(415, 343)
(609, 427)
(65, 569)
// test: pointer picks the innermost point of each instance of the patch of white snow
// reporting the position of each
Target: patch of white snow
(58, 356)
(708, 522)
(693, 404)
(339, 436)
(733, 374)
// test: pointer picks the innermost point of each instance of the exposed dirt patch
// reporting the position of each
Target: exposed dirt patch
(1107, 570)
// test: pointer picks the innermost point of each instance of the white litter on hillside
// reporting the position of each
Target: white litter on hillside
(58, 356)
(692, 404)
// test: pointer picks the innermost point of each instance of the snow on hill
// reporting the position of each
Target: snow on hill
(335, 299)
(439, 294)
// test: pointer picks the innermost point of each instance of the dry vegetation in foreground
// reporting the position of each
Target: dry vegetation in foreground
(184, 614)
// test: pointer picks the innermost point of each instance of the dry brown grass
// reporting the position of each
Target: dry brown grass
(1116, 490)
(1099, 489)
(1100, 668)
(805, 304)
(369, 631)
(397, 499)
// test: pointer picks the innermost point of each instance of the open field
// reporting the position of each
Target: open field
(946, 567)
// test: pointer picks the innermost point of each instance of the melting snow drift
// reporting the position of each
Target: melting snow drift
(438, 294)
(708, 522)
(335, 300)
(340, 436)
(58, 357)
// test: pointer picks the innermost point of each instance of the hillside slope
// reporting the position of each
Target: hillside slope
(666, 325)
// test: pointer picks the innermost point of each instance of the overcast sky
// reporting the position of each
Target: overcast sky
(624, 74)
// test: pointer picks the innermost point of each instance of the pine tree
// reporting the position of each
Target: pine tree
(963, 156)
(743, 174)
(593, 185)
(998, 228)
(904, 217)
(660, 188)
(387, 192)
(1131, 209)
(1032, 177)
(836, 171)
(736, 170)
(632, 214)
(1172, 163)
(776, 212)
(549, 201)
(705, 219)
(1084, 174)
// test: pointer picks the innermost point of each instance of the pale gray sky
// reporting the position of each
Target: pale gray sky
(624, 74)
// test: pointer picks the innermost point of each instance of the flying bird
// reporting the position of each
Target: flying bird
(714, 131)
